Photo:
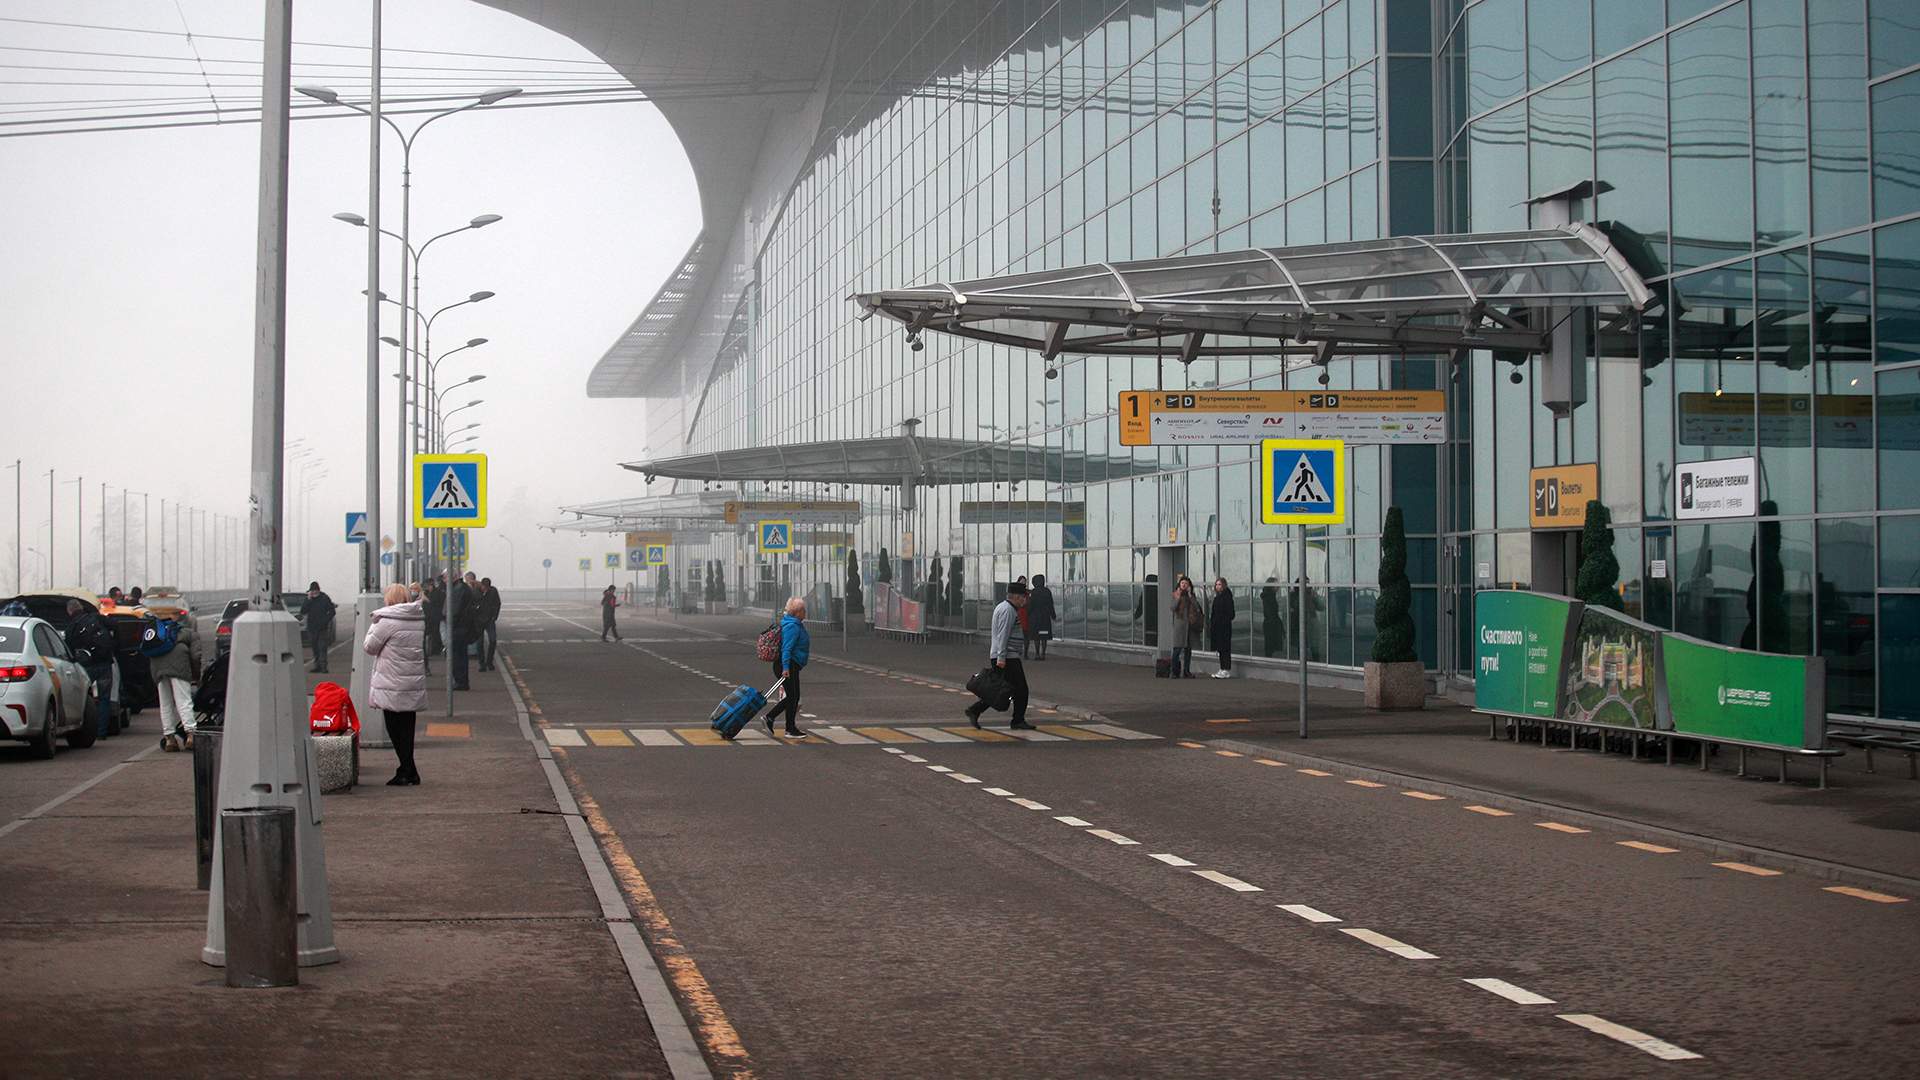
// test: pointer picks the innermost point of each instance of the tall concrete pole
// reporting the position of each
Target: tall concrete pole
(369, 553)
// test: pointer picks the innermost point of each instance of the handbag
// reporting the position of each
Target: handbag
(990, 686)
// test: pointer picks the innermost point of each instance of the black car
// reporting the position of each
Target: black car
(294, 602)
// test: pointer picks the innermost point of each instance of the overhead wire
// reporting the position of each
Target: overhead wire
(182, 12)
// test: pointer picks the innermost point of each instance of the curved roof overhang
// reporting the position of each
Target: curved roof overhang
(894, 461)
(1408, 293)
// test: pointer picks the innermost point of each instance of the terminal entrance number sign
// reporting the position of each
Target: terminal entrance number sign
(1200, 417)
(776, 537)
(450, 491)
(1303, 481)
(356, 527)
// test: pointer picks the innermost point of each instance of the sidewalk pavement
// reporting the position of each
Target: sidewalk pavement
(472, 940)
(1865, 828)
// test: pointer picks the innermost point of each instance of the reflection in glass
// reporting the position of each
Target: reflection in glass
(1496, 61)
(1842, 375)
(1713, 577)
(1620, 23)
(1711, 147)
(1896, 293)
(1779, 121)
(1897, 433)
(1785, 407)
(1896, 146)
(1560, 135)
(1498, 165)
(1837, 69)
(1558, 39)
(1900, 652)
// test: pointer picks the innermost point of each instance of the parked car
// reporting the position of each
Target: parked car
(44, 694)
(51, 607)
(223, 633)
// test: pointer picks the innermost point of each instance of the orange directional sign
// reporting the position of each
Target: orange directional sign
(1191, 417)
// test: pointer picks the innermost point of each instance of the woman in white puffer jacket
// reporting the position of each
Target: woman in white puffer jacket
(397, 642)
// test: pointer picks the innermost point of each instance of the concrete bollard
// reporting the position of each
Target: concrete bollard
(258, 890)
(206, 793)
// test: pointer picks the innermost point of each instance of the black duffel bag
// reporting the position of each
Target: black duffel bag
(990, 686)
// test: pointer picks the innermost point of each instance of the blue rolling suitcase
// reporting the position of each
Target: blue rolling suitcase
(738, 709)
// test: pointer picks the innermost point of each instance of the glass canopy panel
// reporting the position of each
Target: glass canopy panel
(1198, 281)
(1097, 283)
(1517, 282)
(1441, 286)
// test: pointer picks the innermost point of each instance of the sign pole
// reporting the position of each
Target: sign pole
(1301, 608)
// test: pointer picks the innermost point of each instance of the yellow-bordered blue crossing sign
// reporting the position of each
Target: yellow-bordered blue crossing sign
(1303, 481)
(656, 554)
(613, 560)
(450, 491)
(586, 565)
(776, 537)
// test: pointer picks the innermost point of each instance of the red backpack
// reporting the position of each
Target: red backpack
(332, 712)
(768, 644)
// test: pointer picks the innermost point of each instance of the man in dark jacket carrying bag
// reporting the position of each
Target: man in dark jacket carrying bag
(1003, 652)
(91, 643)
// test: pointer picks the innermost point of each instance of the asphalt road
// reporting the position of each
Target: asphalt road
(1104, 903)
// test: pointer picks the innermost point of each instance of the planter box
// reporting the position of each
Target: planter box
(1396, 686)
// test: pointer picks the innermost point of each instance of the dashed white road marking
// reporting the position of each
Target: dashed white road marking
(1228, 880)
(939, 768)
(1172, 860)
(1516, 994)
(654, 737)
(1313, 915)
(1030, 804)
(564, 737)
(1108, 834)
(888, 749)
(1069, 819)
(1639, 1040)
(837, 734)
(932, 734)
(1382, 941)
(915, 758)
(962, 777)
(999, 792)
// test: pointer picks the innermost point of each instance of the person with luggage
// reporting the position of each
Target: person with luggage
(1040, 615)
(1003, 652)
(397, 642)
(169, 651)
(795, 646)
(318, 613)
(1220, 626)
(1187, 619)
(489, 620)
(91, 643)
(608, 601)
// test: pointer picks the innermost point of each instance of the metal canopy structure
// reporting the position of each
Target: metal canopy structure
(685, 511)
(1418, 293)
(904, 460)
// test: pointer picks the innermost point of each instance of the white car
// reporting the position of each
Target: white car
(44, 693)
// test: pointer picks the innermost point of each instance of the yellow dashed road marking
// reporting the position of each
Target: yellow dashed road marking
(1071, 732)
(981, 734)
(1191, 745)
(700, 736)
(1557, 827)
(449, 730)
(1865, 894)
(884, 734)
(1427, 795)
(1490, 811)
(1315, 772)
(1229, 753)
(607, 737)
(1365, 783)
(1232, 720)
(1756, 871)
(1642, 845)
(1270, 761)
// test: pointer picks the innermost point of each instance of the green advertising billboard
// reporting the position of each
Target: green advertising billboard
(1520, 642)
(1726, 693)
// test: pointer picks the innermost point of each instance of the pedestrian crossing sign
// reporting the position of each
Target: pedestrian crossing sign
(1303, 481)
(453, 544)
(776, 537)
(450, 491)
(656, 554)
(586, 565)
(613, 560)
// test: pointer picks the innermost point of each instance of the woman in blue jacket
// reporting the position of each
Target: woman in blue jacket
(794, 646)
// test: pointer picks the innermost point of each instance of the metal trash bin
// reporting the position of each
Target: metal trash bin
(260, 896)
(206, 792)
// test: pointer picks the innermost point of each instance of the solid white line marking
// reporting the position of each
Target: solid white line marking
(1118, 732)
(1639, 1040)
(564, 737)
(75, 791)
(654, 737)
(1030, 804)
(1516, 994)
(1069, 819)
(1172, 860)
(916, 759)
(962, 777)
(999, 791)
(1107, 834)
(1230, 882)
(1314, 915)
(939, 768)
(933, 734)
(1382, 941)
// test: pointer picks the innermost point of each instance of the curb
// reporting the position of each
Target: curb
(1713, 845)
(1074, 711)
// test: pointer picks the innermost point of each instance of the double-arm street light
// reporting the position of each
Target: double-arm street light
(410, 260)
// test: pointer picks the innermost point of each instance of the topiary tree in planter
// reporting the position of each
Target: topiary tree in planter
(1395, 677)
(856, 600)
(1599, 570)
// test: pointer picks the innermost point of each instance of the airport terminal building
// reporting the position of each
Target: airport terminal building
(1619, 238)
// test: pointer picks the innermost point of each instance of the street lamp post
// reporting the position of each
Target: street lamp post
(79, 531)
(511, 558)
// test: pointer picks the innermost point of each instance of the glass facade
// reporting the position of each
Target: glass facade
(1759, 161)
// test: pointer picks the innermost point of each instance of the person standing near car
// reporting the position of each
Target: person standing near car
(319, 614)
(796, 646)
(463, 614)
(397, 642)
(1004, 649)
(1220, 626)
(173, 684)
(91, 643)
(489, 620)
